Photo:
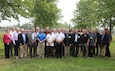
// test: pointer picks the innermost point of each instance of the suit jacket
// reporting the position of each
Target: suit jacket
(105, 40)
(98, 38)
(68, 39)
(21, 40)
(30, 40)
(78, 39)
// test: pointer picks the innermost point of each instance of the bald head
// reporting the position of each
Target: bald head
(17, 29)
(22, 30)
(84, 31)
(13, 28)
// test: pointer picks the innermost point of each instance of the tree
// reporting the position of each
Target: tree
(46, 13)
(84, 14)
(107, 11)
(91, 13)
(14, 8)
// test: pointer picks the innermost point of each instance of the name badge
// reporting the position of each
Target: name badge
(69, 36)
(78, 36)
(91, 38)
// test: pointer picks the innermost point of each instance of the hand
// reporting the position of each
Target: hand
(71, 44)
(105, 45)
(87, 44)
(32, 41)
(7, 43)
(20, 44)
(79, 44)
(94, 45)
(14, 44)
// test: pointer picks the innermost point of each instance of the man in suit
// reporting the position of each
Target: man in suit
(109, 40)
(104, 42)
(23, 40)
(92, 44)
(67, 43)
(37, 30)
(46, 32)
(98, 44)
(77, 42)
(32, 36)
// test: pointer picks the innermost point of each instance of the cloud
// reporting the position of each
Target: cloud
(67, 7)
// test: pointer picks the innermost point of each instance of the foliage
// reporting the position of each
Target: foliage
(46, 13)
(14, 8)
(91, 13)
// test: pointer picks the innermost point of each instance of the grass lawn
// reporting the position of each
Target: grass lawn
(53, 64)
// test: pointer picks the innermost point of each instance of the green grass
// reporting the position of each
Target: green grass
(53, 64)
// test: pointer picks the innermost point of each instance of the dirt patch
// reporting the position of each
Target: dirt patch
(4, 61)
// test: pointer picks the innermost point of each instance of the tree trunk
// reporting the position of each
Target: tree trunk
(110, 24)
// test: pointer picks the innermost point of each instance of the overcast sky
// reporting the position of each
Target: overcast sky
(67, 7)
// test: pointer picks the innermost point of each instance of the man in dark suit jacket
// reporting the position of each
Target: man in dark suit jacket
(109, 41)
(32, 36)
(104, 42)
(68, 41)
(98, 44)
(46, 32)
(76, 43)
(23, 40)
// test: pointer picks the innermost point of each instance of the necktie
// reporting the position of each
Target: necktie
(102, 37)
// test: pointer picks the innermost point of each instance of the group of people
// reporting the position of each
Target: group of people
(56, 42)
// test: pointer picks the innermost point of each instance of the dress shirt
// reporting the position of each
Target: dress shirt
(76, 36)
(41, 36)
(12, 35)
(24, 37)
(33, 36)
(15, 37)
(50, 38)
(102, 37)
(60, 36)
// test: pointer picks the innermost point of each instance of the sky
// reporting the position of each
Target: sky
(67, 7)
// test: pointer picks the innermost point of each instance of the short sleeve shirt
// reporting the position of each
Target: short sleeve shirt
(60, 36)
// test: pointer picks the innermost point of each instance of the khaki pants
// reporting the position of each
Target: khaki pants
(102, 50)
(41, 49)
(66, 51)
(23, 50)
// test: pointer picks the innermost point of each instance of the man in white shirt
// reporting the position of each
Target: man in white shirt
(59, 40)
(16, 44)
(50, 43)
(12, 40)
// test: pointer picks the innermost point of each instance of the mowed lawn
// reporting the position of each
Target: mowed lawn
(53, 64)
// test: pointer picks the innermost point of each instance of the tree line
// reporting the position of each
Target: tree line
(44, 12)
(88, 13)
(92, 13)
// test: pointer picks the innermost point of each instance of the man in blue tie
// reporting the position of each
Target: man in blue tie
(32, 42)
